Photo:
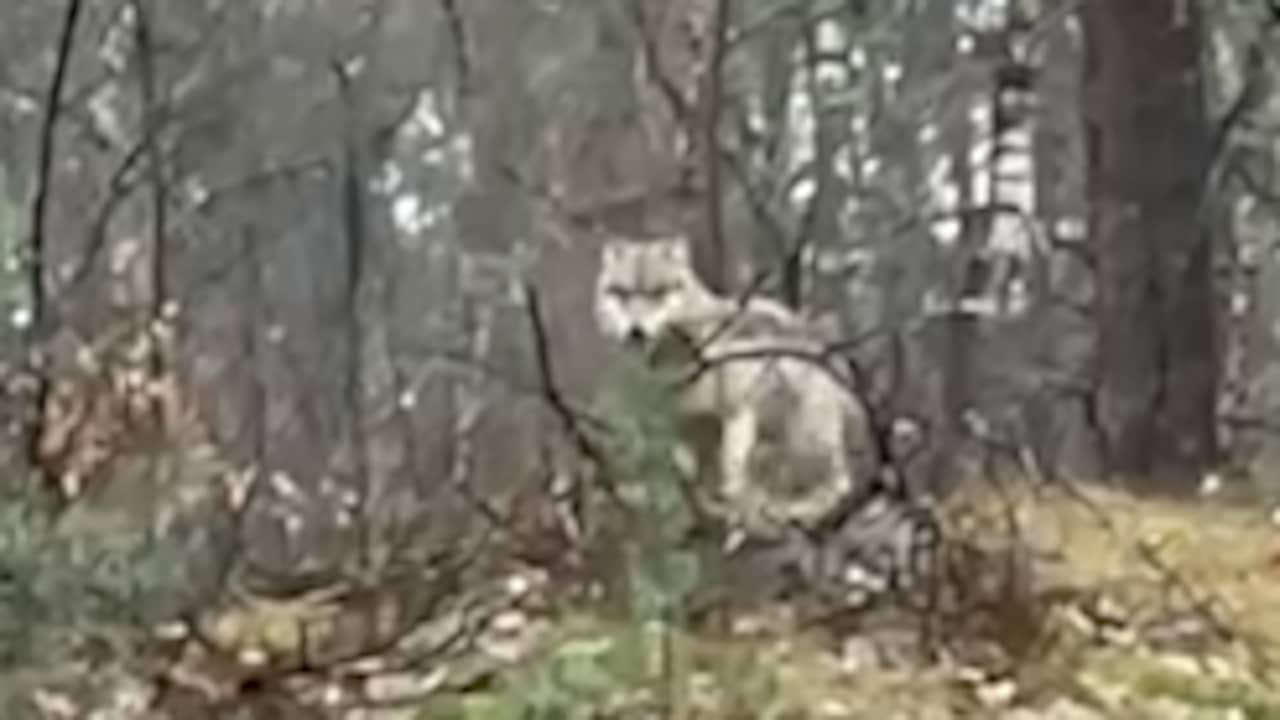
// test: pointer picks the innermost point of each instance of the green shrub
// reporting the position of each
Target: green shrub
(80, 590)
(640, 665)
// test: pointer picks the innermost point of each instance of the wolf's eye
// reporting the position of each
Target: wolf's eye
(617, 291)
(657, 294)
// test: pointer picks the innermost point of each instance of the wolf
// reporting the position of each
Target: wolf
(758, 405)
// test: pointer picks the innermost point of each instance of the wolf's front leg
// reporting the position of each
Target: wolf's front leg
(745, 501)
(686, 461)
(737, 440)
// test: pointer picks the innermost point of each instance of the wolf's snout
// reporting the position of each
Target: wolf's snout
(635, 336)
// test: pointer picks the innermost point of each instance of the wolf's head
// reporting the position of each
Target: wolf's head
(644, 287)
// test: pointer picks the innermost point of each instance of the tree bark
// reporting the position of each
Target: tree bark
(1148, 147)
(684, 42)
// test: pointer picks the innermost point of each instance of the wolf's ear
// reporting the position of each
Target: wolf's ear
(676, 249)
(610, 250)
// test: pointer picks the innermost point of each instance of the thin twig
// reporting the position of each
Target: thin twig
(550, 389)
(151, 121)
(37, 329)
(461, 53)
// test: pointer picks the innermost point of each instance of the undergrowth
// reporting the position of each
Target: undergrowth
(1155, 609)
(81, 588)
(642, 664)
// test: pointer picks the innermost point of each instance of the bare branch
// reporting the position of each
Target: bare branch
(37, 329)
(550, 389)
(151, 119)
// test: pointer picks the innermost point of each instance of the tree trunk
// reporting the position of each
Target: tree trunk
(1148, 146)
(1064, 439)
(684, 41)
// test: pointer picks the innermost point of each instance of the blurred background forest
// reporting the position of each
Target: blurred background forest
(297, 295)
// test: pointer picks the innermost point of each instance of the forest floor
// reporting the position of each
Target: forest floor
(1112, 607)
(1146, 608)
